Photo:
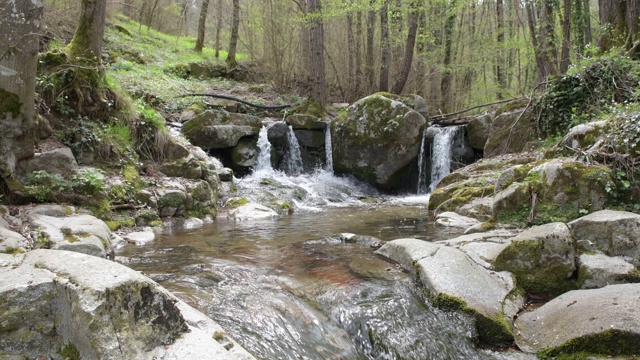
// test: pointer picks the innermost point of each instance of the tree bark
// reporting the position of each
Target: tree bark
(86, 45)
(316, 41)
(566, 38)
(358, 56)
(500, 71)
(19, 25)
(218, 27)
(385, 57)
(445, 83)
(201, 26)
(403, 75)
(369, 60)
(351, 45)
(233, 41)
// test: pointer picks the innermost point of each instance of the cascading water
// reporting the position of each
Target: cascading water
(441, 153)
(263, 163)
(422, 167)
(328, 150)
(293, 158)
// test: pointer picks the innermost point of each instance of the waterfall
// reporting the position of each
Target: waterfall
(293, 159)
(263, 162)
(328, 151)
(422, 167)
(441, 153)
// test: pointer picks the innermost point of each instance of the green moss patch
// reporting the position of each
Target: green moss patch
(9, 103)
(604, 344)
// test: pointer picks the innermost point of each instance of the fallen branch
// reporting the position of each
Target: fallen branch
(445, 116)
(275, 107)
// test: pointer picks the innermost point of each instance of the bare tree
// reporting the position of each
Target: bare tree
(218, 26)
(620, 19)
(385, 57)
(566, 38)
(316, 41)
(402, 77)
(369, 60)
(201, 26)
(500, 71)
(19, 26)
(233, 42)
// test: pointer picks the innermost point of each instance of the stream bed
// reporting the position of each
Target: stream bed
(290, 288)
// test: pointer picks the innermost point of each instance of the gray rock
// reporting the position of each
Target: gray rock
(171, 202)
(81, 233)
(52, 299)
(451, 219)
(579, 316)
(599, 270)
(453, 280)
(583, 136)
(616, 233)
(56, 161)
(12, 242)
(541, 258)
(510, 132)
(140, 237)
(188, 167)
(376, 140)
(306, 122)
(478, 131)
(478, 208)
(245, 153)
(252, 211)
(216, 129)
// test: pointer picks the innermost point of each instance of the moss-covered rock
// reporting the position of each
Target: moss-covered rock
(510, 132)
(376, 140)
(216, 129)
(541, 258)
(478, 131)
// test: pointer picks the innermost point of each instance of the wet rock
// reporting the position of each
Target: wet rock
(252, 211)
(599, 270)
(454, 281)
(57, 299)
(451, 219)
(76, 232)
(541, 258)
(140, 238)
(376, 141)
(616, 233)
(305, 122)
(600, 321)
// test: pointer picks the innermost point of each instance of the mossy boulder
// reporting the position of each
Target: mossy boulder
(188, 167)
(563, 190)
(584, 136)
(478, 131)
(453, 281)
(216, 129)
(171, 202)
(581, 323)
(616, 233)
(305, 122)
(541, 258)
(377, 140)
(599, 270)
(510, 132)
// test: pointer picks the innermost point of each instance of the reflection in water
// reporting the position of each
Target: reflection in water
(288, 289)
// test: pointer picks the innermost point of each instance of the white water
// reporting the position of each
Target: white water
(441, 153)
(422, 167)
(263, 162)
(328, 150)
(293, 158)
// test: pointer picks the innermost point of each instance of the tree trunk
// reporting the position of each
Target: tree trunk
(218, 27)
(385, 58)
(588, 37)
(18, 58)
(233, 42)
(369, 60)
(402, 77)
(128, 8)
(358, 55)
(542, 39)
(566, 38)
(316, 41)
(201, 26)
(445, 84)
(500, 71)
(86, 45)
(351, 53)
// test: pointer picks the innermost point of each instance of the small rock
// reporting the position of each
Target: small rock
(140, 237)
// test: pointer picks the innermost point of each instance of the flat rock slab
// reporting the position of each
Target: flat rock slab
(50, 299)
(451, 219)
(599, 270)
(452, 279)
(580, 316)
(140, 237)
(252, 211)
(616, 233)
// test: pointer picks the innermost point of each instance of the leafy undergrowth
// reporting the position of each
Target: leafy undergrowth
(141, 61)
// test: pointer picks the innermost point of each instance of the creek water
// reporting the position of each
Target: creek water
(291, 287)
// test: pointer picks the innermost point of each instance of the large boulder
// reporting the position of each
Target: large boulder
(63, 229)
(57, 303)
(453, 281)
(616, 233)
(377, 140)
(54, 161)
(561, 190)
(510, 132)
(584, 136)
(541, 258)
(601, 321)
(599, 270)
(216, 129)
(478, 131)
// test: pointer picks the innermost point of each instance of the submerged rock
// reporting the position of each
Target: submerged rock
(453, 281)
(601, 321)
(54, 301)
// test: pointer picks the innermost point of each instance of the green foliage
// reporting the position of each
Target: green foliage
(578, 96)
(70, 352)
(88, 182)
